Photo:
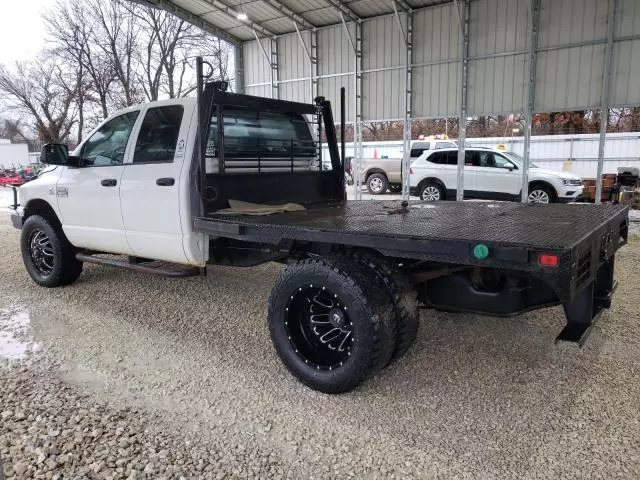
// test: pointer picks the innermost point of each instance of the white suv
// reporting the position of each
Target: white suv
(488, 174)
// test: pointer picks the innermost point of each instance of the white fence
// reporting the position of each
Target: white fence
(574, 153)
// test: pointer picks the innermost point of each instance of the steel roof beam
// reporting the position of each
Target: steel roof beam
(235, 14)
(402, 4)
(290, 14)
(192, 18)
(343, 9)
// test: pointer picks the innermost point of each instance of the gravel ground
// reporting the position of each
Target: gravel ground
(124, 375)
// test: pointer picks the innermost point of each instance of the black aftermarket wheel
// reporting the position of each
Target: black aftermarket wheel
(47, 255)
(331, 323)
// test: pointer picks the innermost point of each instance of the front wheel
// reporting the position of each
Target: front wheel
(540, 194)
(47, 254)
(331, 323)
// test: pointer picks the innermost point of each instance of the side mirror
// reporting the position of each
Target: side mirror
(57, 154)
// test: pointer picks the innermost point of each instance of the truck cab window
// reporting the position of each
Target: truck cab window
(261, 142)
(107, 146)
(158, 135)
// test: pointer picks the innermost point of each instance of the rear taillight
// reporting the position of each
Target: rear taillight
(548, 260)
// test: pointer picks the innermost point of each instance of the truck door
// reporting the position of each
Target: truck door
(88, 196)
(150, 190)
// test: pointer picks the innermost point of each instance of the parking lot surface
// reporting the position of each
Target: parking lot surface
(123, 375)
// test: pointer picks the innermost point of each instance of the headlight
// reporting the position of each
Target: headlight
(571, 181)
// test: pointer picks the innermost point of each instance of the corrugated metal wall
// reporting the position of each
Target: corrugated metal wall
(435, 59)
(571, 51)
(497, 31)
(626, 55)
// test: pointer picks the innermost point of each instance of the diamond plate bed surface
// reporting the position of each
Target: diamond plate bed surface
(536, 226)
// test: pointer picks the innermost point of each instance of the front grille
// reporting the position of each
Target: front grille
(575, 182)
(584, 269)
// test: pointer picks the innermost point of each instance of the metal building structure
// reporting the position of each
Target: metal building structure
(418, 59)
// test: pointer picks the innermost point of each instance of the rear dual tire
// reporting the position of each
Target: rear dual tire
(331, 326)
(337, 321)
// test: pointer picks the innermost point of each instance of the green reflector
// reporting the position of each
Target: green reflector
(481, 251)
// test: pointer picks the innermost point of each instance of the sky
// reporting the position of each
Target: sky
(21, 29)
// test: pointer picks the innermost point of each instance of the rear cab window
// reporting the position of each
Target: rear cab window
(158, 135)
(261, 142)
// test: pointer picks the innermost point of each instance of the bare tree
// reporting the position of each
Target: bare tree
(44, 91)
(167, 45)
(217, 54)
(115, 34)
(13, 130)
(72, 27)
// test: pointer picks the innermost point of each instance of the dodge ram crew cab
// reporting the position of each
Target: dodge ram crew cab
(177, 186)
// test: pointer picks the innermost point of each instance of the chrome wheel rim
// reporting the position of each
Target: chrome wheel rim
(430, 194)
(539, 196)
(375, 184)
(318, 327)
(41, 252)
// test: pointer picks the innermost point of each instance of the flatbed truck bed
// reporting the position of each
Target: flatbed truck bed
(447, 232)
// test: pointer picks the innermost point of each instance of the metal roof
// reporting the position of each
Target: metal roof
(267, 18)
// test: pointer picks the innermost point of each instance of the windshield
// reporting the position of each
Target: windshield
(517, 159)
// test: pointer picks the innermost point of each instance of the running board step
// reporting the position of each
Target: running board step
(155, 267)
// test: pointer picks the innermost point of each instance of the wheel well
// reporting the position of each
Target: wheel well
(540, 183)
(433, 180)
(375, 170)
(42, 208)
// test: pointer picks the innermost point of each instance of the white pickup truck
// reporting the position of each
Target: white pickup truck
(231, 179)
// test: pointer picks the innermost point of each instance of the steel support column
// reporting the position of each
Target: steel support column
(463, 70)
(312, 55)
(356, 44)
(532, 46)
(239, 68)
(407, 37)
(606, 93)
(357, 130)
(314, 63)
(274, 67)
(272, 60)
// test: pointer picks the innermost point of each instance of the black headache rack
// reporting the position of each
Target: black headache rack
(582, 239)
(267, 172)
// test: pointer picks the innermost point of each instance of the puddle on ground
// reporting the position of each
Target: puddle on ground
(16, 336)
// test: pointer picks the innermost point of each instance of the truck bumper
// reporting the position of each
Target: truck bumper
(16, 216)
